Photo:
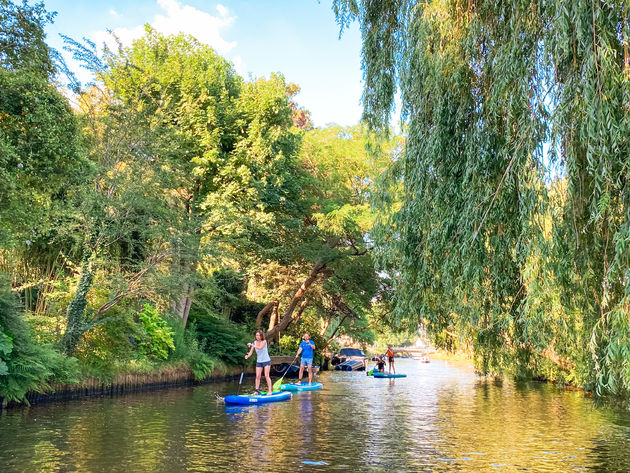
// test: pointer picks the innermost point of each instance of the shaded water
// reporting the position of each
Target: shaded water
(440, 418)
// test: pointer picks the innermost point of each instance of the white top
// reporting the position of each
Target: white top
(262, 355)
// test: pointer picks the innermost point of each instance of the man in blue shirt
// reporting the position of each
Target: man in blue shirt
(306, 349)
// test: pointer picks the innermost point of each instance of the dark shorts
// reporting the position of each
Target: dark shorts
(391, 359)
(263, 364)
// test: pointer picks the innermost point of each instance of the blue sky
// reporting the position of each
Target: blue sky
(298, 38)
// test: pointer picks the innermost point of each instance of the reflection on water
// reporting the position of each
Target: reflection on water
(440, 418)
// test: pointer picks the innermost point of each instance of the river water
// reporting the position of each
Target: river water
(442, 417)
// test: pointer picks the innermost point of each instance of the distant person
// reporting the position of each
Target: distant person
(390, 357)
(306, 349)
(263, 362)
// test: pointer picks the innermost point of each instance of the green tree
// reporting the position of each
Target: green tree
(190, 160)
(40, 156)
(325, 267)
(486, 87)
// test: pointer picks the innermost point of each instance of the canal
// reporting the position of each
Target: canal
(442, 417)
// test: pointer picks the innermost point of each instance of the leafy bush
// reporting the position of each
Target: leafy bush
(24, 365)
(221, 338)
(112, 343)
(159, 336)
(188, 348)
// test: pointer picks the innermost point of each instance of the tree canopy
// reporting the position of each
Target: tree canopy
(508, 214)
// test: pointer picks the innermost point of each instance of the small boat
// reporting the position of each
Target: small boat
(350, 365)
(387, 375)
(350, 359)
(257, 398)
(301, 386)
(423, 359)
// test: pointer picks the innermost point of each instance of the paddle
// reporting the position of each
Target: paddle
(240, 381)
(276, 385)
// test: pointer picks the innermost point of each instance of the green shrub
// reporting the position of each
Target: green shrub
(25, 365)
(221, 338)
(159, 336)
(188, 348)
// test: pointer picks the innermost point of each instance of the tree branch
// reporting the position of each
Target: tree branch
(287, 317)
(132, 284)
(264, 311)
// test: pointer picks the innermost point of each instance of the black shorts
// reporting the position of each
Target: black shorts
(263, 364)
(391, 359)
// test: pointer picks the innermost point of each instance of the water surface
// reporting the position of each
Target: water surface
(442, 417)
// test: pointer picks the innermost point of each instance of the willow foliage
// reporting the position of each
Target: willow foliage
(507, 219)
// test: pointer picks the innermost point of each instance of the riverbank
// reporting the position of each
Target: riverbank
(170, 376)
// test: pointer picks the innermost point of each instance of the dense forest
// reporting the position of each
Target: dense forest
(155, 217)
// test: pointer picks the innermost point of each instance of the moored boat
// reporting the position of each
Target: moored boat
(350, 359)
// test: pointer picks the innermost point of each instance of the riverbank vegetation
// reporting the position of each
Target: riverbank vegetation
(159, 215)
(505, 223)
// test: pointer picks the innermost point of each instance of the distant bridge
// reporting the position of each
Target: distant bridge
(412, 350)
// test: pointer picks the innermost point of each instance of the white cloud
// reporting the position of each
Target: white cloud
(113, 12)
(239, 65)
(179, 18)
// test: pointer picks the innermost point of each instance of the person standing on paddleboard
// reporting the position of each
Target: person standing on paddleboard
(306, 349)
(263, 362)
(390, 358)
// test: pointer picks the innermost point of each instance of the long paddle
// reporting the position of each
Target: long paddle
(276, 385)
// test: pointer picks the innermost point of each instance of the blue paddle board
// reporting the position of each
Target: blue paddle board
(385, 375)
(301, 387)
(257, 399)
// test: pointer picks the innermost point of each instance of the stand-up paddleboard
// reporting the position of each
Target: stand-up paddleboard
(301, 387)
(257, 399)
(386, 375)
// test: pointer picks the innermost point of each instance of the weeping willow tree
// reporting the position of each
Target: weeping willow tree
(507, 221)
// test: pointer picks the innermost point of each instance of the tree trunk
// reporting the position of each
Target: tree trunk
(274, 318)
(181, 306)
(287, 317)
(76, 311)
(264, 311)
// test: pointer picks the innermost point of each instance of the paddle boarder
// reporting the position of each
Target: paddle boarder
(263, 362)
(390, 357)
(306, 349)
(380, 363)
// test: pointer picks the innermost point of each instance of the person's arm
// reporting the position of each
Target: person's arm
(310, 342)
(251, 350)
(299, 350)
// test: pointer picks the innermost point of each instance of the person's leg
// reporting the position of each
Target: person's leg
(301, 372)
(258, 373)
(269, 388)
(310, 374)
(394, 366)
